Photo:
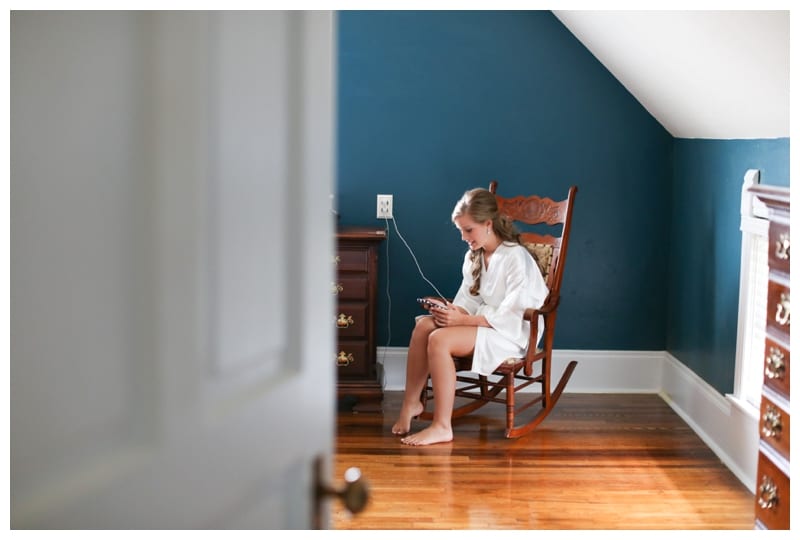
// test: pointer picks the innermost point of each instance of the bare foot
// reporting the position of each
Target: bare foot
(430, 435)
(403, 424)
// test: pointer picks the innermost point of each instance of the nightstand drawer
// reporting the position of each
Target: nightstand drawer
(772, 494)
(779, 247)
(352, 260)
(352, 359)
(778, 308)
(773, 426)
(776, 367)
(351, 320)
(352, 287)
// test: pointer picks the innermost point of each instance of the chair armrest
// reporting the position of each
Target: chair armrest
(549, 306)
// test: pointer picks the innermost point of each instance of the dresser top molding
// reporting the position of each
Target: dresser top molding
(773, 195)
(361, 233)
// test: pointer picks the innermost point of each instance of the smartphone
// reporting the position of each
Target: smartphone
(427, 302)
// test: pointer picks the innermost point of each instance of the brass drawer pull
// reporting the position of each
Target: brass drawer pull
(767, 493)
(344, 321)
(344, 359)
(774, 367)
(782, 314)
(336, 288)
(772, 422)
(782, 247)
(336, 260)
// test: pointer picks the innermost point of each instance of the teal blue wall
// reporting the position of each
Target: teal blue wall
(705, 246)
(433, 103)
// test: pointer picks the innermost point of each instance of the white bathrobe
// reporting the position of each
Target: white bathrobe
(511, 284)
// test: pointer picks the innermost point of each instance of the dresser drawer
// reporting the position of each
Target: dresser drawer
(776, 367)
(351, 287)
(352, 359)
(351, 319)
(772, 494)
(773, 426)
(779, 247)
(778, 308)
(352, 259)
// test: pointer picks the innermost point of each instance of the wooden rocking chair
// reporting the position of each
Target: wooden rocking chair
(550, 252)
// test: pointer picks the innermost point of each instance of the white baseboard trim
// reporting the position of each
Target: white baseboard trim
(393, 360)
(730, 432)
(597, 372)
(610, 372)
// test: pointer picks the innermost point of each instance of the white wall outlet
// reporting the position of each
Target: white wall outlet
(385, 206)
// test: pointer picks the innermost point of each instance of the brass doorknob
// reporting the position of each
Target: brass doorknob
(354, 494)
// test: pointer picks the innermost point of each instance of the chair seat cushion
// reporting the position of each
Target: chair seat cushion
(464, 363)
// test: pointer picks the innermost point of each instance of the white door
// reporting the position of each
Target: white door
(171, 239)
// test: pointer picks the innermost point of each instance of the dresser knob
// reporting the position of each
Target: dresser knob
(774, 367)
(336, 288)
(344, 359)
(772, 422)
(344, 321)
(336, 260)
(782, 247)
(767, 493)
(782, 314)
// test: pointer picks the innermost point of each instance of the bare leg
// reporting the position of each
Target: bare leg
(443, 344)
(416, 375)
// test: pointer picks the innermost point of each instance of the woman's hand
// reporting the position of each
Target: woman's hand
(456, 316)
(452, 316)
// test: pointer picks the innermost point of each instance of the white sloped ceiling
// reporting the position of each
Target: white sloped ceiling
(701, 74)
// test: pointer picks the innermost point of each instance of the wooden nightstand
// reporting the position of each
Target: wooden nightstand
(358, 375)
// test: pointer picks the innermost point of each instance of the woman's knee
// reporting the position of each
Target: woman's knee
(438, 342)
(425, 323)
(450, 342)
(423, 327)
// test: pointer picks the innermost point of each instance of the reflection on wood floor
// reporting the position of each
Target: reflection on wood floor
(600, 461)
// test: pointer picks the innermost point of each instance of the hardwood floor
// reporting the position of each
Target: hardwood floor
(600, 461)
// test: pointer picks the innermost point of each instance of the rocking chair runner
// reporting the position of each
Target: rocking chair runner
(514, 374)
